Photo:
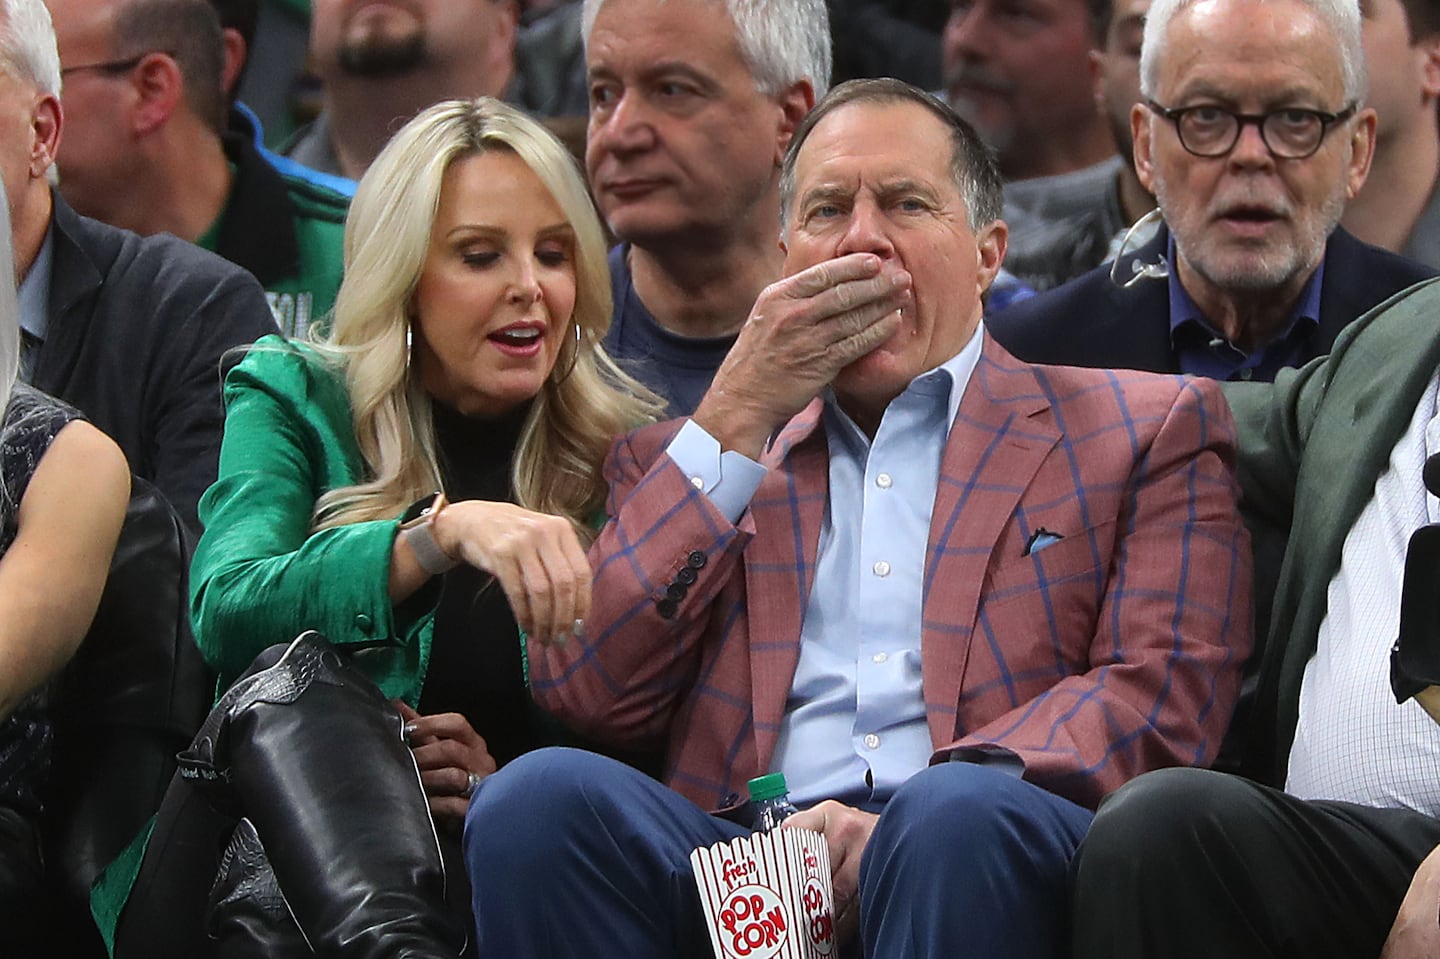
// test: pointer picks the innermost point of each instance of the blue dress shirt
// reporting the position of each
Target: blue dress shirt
(1202, 350)
(855, 725)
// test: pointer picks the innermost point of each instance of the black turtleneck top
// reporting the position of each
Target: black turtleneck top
(476, 666)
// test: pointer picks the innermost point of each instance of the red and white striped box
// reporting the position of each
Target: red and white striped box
(768, 895)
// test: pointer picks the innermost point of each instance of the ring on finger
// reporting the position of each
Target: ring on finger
(472, 780)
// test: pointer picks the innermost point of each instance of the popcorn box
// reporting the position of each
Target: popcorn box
(768, 895)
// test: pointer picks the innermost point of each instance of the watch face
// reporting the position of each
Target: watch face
(419, 510)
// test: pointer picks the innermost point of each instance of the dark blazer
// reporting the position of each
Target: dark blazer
(1092, 321)
(137, 329)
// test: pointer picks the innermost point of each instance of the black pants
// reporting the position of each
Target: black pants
(1193, 863)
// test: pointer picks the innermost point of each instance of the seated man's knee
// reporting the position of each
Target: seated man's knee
(1162, 813)
(541, 799)
(961, 804)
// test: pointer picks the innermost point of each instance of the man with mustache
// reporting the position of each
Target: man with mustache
(383, 61)
(1253, 133)
(1020, 71)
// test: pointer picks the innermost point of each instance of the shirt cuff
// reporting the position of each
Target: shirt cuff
(728, 479)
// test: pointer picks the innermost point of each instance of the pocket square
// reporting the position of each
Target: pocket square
(1040, 539)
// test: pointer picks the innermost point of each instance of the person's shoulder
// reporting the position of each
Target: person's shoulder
(314, 200)
(1349, 256)
(285, 363)
(161, 258)
(1122, 396)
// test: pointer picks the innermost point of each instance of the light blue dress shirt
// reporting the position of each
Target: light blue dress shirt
(855, 726)
(34, 300)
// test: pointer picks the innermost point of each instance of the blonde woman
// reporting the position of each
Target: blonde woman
(419, 487)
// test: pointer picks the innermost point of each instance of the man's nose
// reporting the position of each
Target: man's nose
(964, 35)
(1250, 149)
(866, 232)
(625, 127)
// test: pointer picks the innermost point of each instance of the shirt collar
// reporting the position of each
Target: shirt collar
(34, 291)
(1184, 310)
(948, 380)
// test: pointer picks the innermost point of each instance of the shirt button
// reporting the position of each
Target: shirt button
(697, 482)
(686, 575)
(363, 622)
(879, 658)
(884, 481)
(881, 568)
(696, 559)
(1247, 374)
(872, 741)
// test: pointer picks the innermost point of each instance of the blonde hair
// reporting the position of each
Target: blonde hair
(584, 403)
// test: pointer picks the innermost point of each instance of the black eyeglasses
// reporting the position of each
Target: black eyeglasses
(113, 68)
(1290, 133)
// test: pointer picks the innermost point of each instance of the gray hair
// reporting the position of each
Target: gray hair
(1342, 16)
(972, 163)
(781, 41)
(27, 44)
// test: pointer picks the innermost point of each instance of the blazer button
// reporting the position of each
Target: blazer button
(364, 623)
(667, 608)
(696, 559)
(686, 576)
(676, 591)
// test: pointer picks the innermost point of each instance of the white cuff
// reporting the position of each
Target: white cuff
(728, 479)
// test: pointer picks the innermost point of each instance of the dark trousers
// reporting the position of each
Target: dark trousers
(1193, 863)
(572, 854)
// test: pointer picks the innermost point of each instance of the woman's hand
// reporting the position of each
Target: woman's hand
(448, 750)
(536, 558)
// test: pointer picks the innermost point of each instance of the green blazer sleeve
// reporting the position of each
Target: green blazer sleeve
(259, 576)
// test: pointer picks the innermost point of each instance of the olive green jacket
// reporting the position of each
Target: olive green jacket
(1312, 445)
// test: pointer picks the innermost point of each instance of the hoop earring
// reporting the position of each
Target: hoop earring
(574, 356)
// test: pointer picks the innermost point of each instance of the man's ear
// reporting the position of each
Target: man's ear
(990, 243)
(157, 91)
(47, 119)
(235, 54)
(794, 102)
(1362, 151)
(1140, 119)
(1430, 69)
(1097, 77)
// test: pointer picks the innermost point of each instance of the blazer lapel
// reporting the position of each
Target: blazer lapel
(993, 452)
(789, 508)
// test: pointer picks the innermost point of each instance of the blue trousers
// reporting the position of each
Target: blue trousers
(572, 854)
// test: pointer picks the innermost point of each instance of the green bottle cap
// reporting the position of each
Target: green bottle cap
(771, 786)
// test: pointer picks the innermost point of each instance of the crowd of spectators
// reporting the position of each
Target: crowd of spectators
(1015, 421)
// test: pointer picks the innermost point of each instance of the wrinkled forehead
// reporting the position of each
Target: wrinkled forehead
(1271, 52)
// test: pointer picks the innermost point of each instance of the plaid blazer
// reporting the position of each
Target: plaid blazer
(1112, 651)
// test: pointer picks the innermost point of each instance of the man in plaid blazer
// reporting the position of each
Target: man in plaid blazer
(811, 576)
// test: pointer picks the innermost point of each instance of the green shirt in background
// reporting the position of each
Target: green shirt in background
(289, 231)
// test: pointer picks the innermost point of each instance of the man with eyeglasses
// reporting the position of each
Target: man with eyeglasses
(147, 148)
(1253, 134)
(131, 330)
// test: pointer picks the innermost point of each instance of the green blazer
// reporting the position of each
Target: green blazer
(260, 576)
(1312, 445)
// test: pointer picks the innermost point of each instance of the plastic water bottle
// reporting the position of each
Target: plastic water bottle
(772, 801)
